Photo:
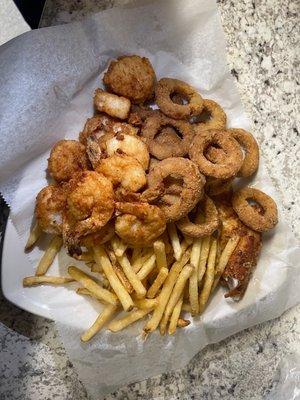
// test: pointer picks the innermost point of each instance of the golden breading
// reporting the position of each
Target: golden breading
(132, 77)
(243, 260)
(66, 158)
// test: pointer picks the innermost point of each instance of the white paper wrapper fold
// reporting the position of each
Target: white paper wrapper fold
(47, 81)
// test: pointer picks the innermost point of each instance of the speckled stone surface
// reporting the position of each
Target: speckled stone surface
(261, 44)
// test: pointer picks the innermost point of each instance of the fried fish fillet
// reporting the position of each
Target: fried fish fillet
(243, 260)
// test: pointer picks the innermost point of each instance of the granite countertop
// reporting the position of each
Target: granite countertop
(261, 42)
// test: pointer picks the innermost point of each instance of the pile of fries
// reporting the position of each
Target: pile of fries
(163, 283)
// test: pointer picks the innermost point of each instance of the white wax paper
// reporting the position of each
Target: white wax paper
(47, 81)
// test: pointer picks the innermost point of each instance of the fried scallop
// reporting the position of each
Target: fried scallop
(67, 157)
(132, 77)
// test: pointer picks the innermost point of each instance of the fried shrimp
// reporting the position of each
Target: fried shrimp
(101, 124)
(90, 205)
(139, 224)
(50, 204)
(111, 104)
(130, 145)
(185, 184)
(66, 158)
(123, 170)
(166, 88)
(132, 77)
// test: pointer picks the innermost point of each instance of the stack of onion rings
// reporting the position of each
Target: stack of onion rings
(251, 216)
(173, 148)
(234, 156)
(203, 229)
(167, 87)
(191, 191)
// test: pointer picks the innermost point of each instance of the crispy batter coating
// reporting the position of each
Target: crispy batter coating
(168, 143)
(90, 205)
(225, 169)
(139, 224)
(165, 90)
(66, 158)
(261, 218)
(189, 181)
(123, 170)
(216, 116)
(243, 260)
(101, 124)
(130, 145)
(111, 104)
(132, 77)
(103, 235)
(204, 228)
(50, 204)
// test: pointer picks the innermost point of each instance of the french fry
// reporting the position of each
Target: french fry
(140, 261)
(132, 277)
(96, 268)
(136, 253)
(193, 281)
(160, 254)
(165, 293)
(119, 324)
(174, 240)
(184, 246)
(118, 246)
(177, 292)
(147, 268)
(101, 320)
(119, 271)
(203, 257)
(102, 259)
(175, 316)
(86, 256)
(182, 323)
(186, 307)
(54, 280)
(34, 235)
(49, 255)
(145, 304)
(188, 239)
(209, 275)
(83, 290)
(86, 281)
(224, 258)
(158, 282)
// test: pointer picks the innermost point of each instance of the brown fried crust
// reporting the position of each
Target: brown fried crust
(132, 77)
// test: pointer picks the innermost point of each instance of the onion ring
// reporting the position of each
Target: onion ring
(234, 155)
(191, 191)
(214, 186)
(167, 146)
(250, 146)
(260, 219)
(167, 87)
(138, 114)
(203, 229)
(217, 117)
